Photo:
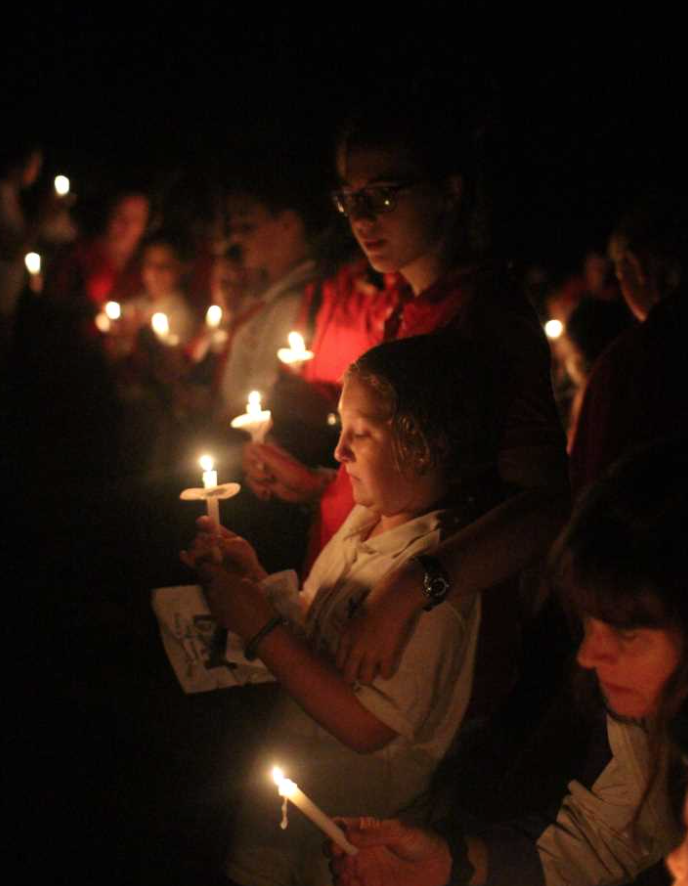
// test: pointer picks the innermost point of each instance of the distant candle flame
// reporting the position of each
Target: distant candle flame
(554, 328)
(113, 309)
(213, 316)
(253, 407)
(160, 324)
(32, 260)
(277, 775)
(61, 185)
(296, 342)
(206, 462)
(103, 322)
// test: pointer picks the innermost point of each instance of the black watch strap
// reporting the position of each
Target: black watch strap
(436, 584)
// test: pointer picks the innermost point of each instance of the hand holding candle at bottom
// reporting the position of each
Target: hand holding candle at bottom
(291, 791)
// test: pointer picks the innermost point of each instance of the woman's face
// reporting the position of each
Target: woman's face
(127, 222)
(365, 448)
(409, 237)
(677, 862)
(632, 665)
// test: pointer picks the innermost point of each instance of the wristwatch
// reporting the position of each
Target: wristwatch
(436, 584)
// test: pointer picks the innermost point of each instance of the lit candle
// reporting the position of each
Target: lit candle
(113, 309)
(213, 316)
(296, 353)
(61, 185)
(160, 325)
(255, 420)
(32, 260)
(554, 328)
(210, 482)
(291, 791)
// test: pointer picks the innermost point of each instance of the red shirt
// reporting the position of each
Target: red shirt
(482, 305)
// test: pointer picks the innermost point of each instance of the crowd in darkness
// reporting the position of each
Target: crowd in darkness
(418, 479)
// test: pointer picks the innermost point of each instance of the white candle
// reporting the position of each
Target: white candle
(61, 185)
(210, 482)
(32, 260)
(291, 791)
(113, 309)
(255, 420)
(160, 325)
(554, 328)
(296, 353)
(213, 316)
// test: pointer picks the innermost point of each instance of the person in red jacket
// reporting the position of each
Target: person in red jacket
(410, 185)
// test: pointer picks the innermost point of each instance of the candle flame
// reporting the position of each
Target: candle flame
(103, 322)
(160, 323)
(32, 260)
(213, 316)
(296, 342)
(554, 329)
(253, 407)
(61, 185)
(206, 462)
(285, 786)
(113, 309)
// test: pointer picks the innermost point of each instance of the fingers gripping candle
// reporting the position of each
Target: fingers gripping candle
(291, 791)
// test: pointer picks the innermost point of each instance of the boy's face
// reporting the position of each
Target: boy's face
(161, 270)
(255, 229)
(365, 448)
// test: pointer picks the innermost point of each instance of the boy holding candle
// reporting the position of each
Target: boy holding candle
(419, 441)
(271, 221)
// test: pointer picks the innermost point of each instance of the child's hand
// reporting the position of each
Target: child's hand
(222, 548)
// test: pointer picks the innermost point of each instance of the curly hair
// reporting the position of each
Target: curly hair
(443, 397)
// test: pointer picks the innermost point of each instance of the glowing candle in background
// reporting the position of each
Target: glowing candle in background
(32, 260)
(213, 316)
(113, 309)
(291, 791)
(255, 420)
(62, 185)
(160, 325)
(296, 353)
(554, 329)
(210, 482)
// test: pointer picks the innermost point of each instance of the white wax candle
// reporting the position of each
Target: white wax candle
(113, 309)
(210, 482)
(255, 420)
(160, 325)
(61, 185)
(213, 316)
(296, 353)
(291, 791)
(32, 260)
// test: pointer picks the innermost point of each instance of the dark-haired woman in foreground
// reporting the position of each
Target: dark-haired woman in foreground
(620, 565)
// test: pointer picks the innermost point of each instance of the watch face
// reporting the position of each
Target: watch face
(437, 587)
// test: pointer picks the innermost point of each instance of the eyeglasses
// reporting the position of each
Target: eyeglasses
(375, 200)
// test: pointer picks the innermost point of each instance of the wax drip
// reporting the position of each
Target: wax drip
(285, 820)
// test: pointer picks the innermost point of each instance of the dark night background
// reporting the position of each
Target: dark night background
(128, 777)
(587, 100)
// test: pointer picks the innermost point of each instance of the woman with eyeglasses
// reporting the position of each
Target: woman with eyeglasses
(412, 188)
